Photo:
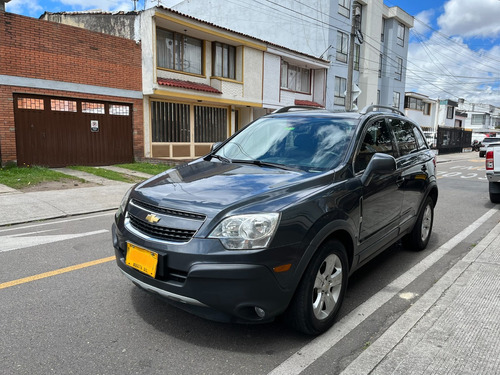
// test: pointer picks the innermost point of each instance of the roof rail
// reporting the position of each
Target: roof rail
(371, 108)
(291, 108)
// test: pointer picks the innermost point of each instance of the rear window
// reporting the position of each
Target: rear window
(491, 139)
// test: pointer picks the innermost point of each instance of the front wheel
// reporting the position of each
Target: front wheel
(321, 291)
(419, 237)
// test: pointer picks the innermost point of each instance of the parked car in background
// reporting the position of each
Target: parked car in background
(275, 218)
(484, 145)
(493, 170)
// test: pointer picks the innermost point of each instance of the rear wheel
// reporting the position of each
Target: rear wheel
(494, 188)
(321, 291)
(419, 237)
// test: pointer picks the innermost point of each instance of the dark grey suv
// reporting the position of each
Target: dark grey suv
(276, 217)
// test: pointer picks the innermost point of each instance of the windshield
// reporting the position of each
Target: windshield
(308, 142)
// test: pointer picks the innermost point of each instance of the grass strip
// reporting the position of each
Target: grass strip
(152, 169)
(22, 177)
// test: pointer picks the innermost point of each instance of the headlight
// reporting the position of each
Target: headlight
(123, 204)
(245, 232)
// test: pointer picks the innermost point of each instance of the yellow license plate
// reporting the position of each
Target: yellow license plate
(142, 259)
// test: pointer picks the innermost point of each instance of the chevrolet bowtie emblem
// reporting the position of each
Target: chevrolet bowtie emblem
(152, 218)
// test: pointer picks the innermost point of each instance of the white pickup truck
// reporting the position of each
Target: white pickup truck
(493, 170)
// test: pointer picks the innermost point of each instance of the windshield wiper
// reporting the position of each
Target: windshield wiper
(219, 157)
(261, 163)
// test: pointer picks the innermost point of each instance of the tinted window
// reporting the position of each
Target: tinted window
(376, 139)
(420, 139)
(405, 137)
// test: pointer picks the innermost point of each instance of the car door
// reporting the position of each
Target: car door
(413, 164)
(380, 205)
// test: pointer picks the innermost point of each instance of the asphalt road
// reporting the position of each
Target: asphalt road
(66, 309)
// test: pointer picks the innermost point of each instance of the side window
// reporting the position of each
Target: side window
(405, 137)
(422, 145)
(376, 139)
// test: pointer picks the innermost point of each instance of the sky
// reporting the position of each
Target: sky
(454, 49)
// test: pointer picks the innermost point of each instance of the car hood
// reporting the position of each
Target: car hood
(210, 187)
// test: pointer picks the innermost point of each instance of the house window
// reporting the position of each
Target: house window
(396, 98)
(427, 109)
(210, 124)
(340, 88)
(119, 110)
(93, 108)
(382, 35)
(380, 62)
(30, 103)
(344, 8)
(401, 34)
(62, 105)
(342, 46)
(399, 68)
(450, 112)
(357, 50)
(176, 122)
(224, 60)
(478, 120)
(295, 78)
(179, 52)
(170, 122)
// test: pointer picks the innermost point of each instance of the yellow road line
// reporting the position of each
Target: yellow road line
(8, 284)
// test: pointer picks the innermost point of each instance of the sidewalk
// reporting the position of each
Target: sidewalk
(17, 207)
(454, 328)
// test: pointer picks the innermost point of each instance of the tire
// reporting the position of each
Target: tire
(419, 237)
(494, 189)
(494, 198)
(319, 296)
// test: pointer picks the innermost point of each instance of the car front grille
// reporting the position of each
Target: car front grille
(167, 211)
(163, 233)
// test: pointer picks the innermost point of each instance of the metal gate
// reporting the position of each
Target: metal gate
(56, 132)
(453, 139)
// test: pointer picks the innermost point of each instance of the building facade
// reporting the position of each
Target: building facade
(202, 82)
(68, 95)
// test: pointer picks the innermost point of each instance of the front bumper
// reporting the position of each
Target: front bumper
(228, 290)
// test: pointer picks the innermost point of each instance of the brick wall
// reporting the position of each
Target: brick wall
(36, 48)
(41, 49)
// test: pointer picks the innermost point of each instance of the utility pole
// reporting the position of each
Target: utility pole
(355, 31)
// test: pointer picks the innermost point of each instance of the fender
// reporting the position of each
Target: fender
(340, 226)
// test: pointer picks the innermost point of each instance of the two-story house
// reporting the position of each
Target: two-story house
(203, 82)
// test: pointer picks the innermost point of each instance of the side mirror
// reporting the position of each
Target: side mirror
(379, 164)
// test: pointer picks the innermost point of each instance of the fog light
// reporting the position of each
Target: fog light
(260, 313)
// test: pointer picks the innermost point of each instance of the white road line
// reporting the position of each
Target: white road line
(21, 241)
(319, 346)
(82, 217)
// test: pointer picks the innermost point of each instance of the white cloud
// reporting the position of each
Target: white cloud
(471, 18)
(443, 67)
(24, 6)
(423, 19)
(105, 5)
